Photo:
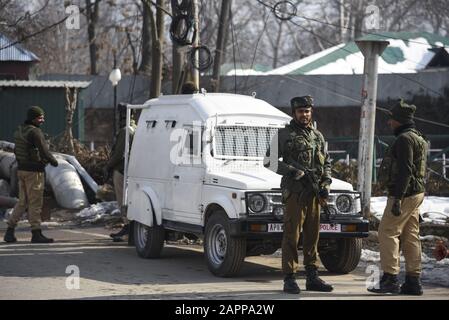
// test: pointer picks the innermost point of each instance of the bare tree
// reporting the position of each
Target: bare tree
(145, 65)
(156, 27)
(92, 14)
(223, 26)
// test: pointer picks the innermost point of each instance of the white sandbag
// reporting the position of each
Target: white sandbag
(5, 189)
(7, 161)
(81, 171)
(8, 171)
(66, 185)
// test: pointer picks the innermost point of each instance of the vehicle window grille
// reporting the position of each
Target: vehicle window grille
(242, 141)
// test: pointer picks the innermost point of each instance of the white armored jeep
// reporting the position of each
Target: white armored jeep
(196, 170)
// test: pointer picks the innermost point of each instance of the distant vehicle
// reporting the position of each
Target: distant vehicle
(196, 170)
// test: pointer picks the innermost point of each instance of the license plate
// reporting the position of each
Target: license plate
(275, 227)
(330, 227)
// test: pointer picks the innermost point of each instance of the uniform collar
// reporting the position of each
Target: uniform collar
(404, 128)
(298, 127)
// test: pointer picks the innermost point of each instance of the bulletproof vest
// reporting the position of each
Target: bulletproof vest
(305, 149)
(25, 152)
(389, 169)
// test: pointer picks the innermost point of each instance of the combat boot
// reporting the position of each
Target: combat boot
(314, 283)
(388, 284)
(121, 233)
(9, 235)
(290, 285)
(38, 237)
(412, 286)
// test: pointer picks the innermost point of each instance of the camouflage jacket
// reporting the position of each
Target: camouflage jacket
(403, 167)
(303, 146)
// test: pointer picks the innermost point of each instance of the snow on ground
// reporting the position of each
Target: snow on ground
(433, 210)
(98, 211)
(433, 272)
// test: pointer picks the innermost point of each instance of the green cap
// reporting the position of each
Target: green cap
(34, 112)
(403, 112)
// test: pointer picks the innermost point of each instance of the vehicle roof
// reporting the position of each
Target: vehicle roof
(212, 104)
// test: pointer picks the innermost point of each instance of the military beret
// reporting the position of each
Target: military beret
(302, 102)
(403, 112)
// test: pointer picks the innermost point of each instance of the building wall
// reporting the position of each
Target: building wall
(15, 101)
(14, 70)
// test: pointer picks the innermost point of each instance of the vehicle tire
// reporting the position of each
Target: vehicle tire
(131, 234)
(344, 256)
(149, 241)
(224, 254)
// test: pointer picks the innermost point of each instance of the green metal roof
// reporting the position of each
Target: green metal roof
(415, 44)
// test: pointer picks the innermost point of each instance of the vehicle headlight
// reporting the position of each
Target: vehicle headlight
(344, 203)
(256, 203)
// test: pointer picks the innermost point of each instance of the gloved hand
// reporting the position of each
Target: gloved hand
(299, 174)
(54, 163)
(324, 193)
(396, 209)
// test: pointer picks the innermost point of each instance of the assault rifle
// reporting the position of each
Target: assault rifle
(309, 175)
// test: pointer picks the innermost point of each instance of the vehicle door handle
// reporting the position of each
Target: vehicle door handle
(176, 177)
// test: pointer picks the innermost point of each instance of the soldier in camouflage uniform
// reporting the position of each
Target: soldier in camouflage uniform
(302, 149)
(32, 156)
(402, 174)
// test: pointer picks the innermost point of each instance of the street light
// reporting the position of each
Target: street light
(115, 78)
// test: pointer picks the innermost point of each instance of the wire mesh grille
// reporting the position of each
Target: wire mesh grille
(242, 141)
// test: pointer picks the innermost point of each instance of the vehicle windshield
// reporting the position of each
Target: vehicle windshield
(242, 142)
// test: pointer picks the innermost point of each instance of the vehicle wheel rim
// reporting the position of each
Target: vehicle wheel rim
(217, 244)
(142, 234)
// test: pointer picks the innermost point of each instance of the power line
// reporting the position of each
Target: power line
(43, 30)
(257, 45)
(354, 29)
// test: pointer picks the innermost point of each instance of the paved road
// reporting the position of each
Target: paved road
(113, 271)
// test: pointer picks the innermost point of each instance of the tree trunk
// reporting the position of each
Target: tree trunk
(145, 65)
(223, 26)
(278, 42)
(177, 61)
(92, 14)
(71, 97)
(157, 46)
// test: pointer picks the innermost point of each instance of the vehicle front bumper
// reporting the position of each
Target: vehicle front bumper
(258, 228)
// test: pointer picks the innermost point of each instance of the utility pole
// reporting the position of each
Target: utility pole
(371, 51)
(342, 20)
(222, 28)
(196, 42)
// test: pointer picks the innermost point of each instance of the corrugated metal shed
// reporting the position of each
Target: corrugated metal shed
(15, 52)
(45, 84)
(17, 96)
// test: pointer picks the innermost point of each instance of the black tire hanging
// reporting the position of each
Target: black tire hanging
(178, 37)
(204, 64)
